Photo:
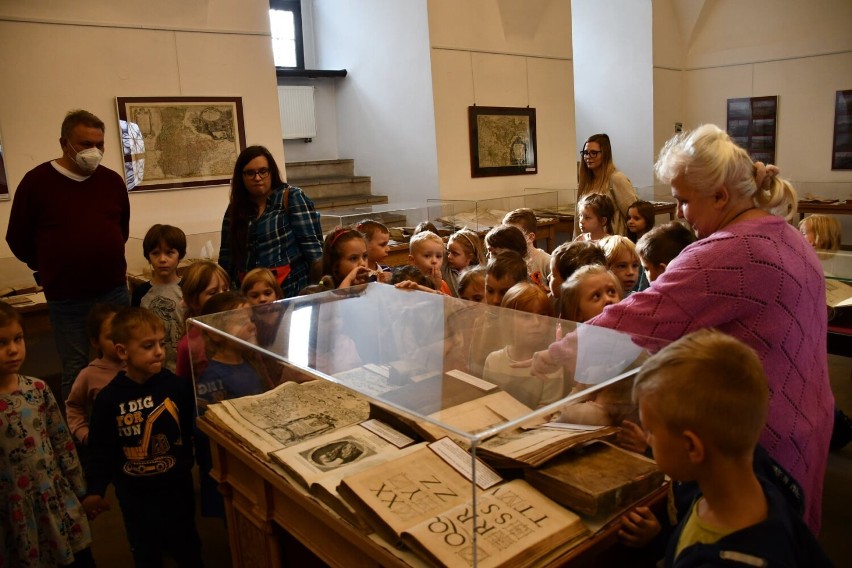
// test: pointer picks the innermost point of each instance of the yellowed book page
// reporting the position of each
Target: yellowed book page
(328, 458)
(478, 415)
(514, 526)
(290, 413)
(407, 491)
(837, 294)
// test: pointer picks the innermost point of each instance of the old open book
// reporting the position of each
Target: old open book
(288, 414)
(320, 463)
(423, 501)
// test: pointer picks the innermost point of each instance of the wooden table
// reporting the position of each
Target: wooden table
(261, 504)
(835, 208)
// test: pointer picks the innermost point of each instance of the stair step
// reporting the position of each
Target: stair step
(349, 200)
(331, 188)
(320, 168)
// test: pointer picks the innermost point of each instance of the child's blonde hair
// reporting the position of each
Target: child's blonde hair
(711, 384)
(616, 245)
(368, 228)
(471, 243)
(195, 280)
(421, 238)
(570, 298)
(826, 230)
(261, 276)
(528, 297)
(523, 218)
(600, 205)
(471, 275)
(130, 320)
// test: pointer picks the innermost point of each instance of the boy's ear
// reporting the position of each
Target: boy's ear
(121, 351)
(663, 266)
(694, 447)
(411, 260)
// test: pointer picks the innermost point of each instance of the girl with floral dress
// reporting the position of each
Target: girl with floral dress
(42, 522)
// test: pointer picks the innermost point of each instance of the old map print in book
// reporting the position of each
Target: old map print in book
(289, 414)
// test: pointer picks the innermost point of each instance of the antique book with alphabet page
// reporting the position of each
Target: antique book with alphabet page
(320, 463)
(424, 500)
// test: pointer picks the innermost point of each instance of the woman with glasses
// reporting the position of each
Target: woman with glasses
(598, 175)
(269, 224)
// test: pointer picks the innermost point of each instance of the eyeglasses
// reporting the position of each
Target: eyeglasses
(250, 174)
(590, 153)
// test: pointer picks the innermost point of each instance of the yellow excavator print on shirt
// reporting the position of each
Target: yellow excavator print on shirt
(151, 456)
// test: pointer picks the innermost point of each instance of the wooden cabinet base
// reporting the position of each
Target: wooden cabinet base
(270, 519)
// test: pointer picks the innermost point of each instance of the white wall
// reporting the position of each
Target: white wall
(669, 59)
(385, 113)
(324, 145)
(502, 53)
(799, 51)
(59, 56)
(614, 81)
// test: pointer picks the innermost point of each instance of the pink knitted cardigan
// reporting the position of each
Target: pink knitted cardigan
(759, 281)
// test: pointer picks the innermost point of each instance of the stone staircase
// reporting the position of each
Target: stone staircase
(332, 183)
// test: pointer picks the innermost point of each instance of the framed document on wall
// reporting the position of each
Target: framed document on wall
(179, 142)
(752, 123)
(841, 153)
(502, 141)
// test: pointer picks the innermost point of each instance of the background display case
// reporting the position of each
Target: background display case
(434, 368)
(401, 218)
(482, 214)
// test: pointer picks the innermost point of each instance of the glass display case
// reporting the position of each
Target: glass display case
(456, 377)
(201, 245)
(399, 218)
(481, 214)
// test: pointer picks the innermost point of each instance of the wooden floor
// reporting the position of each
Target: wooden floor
(111, 549)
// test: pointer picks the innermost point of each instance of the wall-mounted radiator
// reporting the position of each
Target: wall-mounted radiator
(298, 115)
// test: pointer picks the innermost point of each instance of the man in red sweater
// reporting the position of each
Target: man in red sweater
(69, 221)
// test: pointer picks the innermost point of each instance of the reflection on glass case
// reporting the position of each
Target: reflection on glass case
(481, 214)
(433, 370)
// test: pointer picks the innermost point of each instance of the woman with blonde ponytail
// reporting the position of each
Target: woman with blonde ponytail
(751, 275)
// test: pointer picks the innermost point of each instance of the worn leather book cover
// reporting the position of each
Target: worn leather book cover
(596, 479)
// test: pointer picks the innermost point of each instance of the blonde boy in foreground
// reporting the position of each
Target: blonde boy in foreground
(703, 403)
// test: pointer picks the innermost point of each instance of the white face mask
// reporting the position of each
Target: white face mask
(88, 159)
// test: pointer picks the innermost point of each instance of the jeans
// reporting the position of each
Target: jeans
(68, 320)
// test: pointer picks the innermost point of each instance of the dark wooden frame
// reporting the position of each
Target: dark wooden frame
(753, 124)
(228, 138)
(519, 136)
(841, 143)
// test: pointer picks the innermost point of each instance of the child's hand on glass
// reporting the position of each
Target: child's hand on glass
(638, 527)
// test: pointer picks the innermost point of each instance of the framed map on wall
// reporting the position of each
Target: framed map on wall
(841, 155)
(502, 141)
(179, 142)
(752, 123)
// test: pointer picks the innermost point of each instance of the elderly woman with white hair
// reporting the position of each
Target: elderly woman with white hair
(750, 275)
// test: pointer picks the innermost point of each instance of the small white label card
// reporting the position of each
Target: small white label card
(471, 380)
(387, 433)
(457, 458)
